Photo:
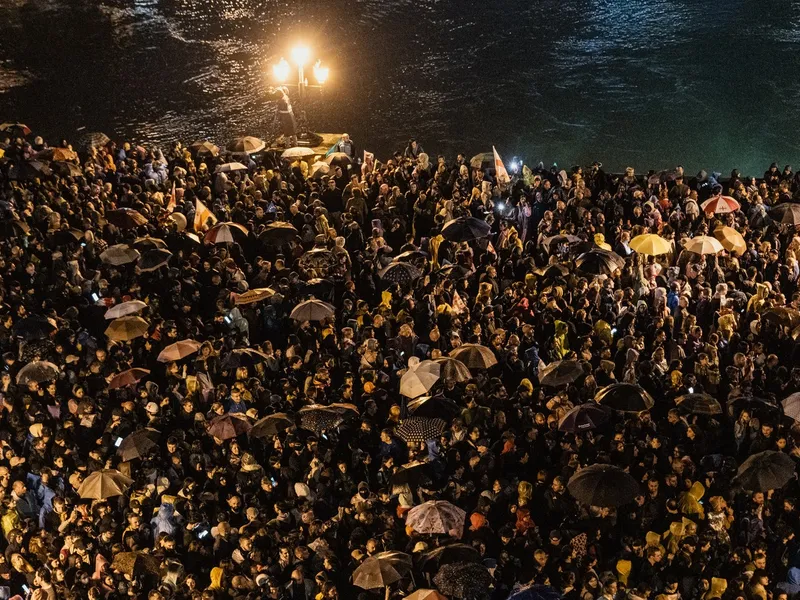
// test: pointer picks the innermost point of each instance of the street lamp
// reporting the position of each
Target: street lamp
(282, 71)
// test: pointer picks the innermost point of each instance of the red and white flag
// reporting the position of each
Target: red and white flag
(459, 306)
(201, 215)
(500, 169)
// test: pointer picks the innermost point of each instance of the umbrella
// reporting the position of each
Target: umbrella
(124, 309)
(152, 260)
(791, 406)
(298, 152)
(58, 154)
(603, 485)
(15, 128)
(231, 167)
(453, 369)
(753, 404)
(420, 429)
(247, 144)
(32, 169)
(201, 148)
(145, 243)
(474, 356)
(583, 417)
(38, 371)
(410, 474)
(15, 228)
(553, 270)
(557, 240)
(783, 316)
(400, 272)
(93, 140)
(120, 254)
(465, 229)
(64, 237)
(452, 271)
(720, 205)
(787, 213)
(437, 516)
(382, 570)
(254, 295)
(136, 563)
(33, 327)
(464, 580)
(126, 218)
(271, 425)
(66, 169)
(318, 418)
(650, 244)
(448, 554)
(704, 244)
(425, 594)
(318, 169)
(410, 256)
(127, 377)
(624, 397)
(318, 286)
(138, 444)
(229, 426)
(536, 592)
(278, 233)
(433, 407)
(561, 373)
(127, 328)
(419, 378)
(223, 233)
(599, 262)
(764, 471)
(312, 310)
(242, 357)
(484, 160)
(339, 159)
(103, 484)
(178, 350)
(731, 239)
(699, 404)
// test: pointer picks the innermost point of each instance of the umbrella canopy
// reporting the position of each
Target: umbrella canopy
(451, 271)
(536, 592)
(15, 228)
(57, 154)
(411, 256)
(15, 128)
(66, 169)
(419, 378)
(339, 159)
(699, 404)
(453, 369)
(33, 327)
(448, 554)
(787, 213)
(136, 563)
(553, 270)
(145, 243)
(599, 262)
(37, 371)
(425, 594)
(437, 516)
(126, 218)
(225, 233)
(420, 429)
(603, 485)
(650, 244)
(382, 570)
(278, 233)
(433, 407)
(720, 205)
(178, 350)
(103, 484)
(400, 272)
(138, 444)
(764, 471)
(783, 316)
(127, 328)
(474, 356)
(624, 397)
(312, 310)
(561, 373)
(204, 148)
(95, 139)
(464, 580)
(32, 169)
(231, 167)
(120, 254)
(243, 357)
(123, 309)
(127, 377)
(247, 144)
(791, 406)
(704, 244)
(318, 169)
(731, 239)
(465, 229)
(271, 425)
(318, 418)
(229, 426)
(152, 260)
(254, 295)
(583, 418)
(484, 160)
(756, 405)
(411, 474)
(298, 152)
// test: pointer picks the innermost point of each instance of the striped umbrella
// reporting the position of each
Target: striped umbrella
(720, 205)
(254, 295)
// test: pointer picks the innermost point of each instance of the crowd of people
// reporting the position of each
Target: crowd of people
(259, 375)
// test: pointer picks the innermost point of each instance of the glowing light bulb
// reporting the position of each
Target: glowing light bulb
(301, 55)
(281, 70)
(321, 73)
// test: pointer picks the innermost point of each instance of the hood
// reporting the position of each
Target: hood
(793, 576)
(697, 490)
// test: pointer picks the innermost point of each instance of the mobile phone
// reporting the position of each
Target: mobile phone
(201, 532)
(83, 244)
(690, 390)
(273, 481)
(324, 437)
(95, 297)
(613, 331)
(118, 442)
(228, 319)
(25, 588)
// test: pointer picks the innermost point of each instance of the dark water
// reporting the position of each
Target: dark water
(647, 83)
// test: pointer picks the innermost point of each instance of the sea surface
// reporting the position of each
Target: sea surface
(642, 83)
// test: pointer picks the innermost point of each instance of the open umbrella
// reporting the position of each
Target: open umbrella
(561, 373)
(467, 581)
(278, 233)
(433, 407)
(318, 418)
(402, 273)
(319, 169)
(764, 471)
(599, 262)
(560, 240)
(583, 418)
(66, 169)
(704, 244)
(411, 474)
(298, 152)
(699, 404)
(465, 229)
(95, 139)
(756, 405)
(231, 167)
(178, 350)
(720, 205)
(15, 228)
(474, 356)
(225, 233)
(484, 160)
(650, 244)
(142, 244)
(247, 144)
(136, 563)
(152, 260)
(453, 271)
(254, 295)
(242, 357)
(453, 369)
(119, 254)
(126, 218)
(425, 594)
(123, 309)
(229, 426)
(553, 270)
(731, 239)
(787, 213)
(412, 256)
(448, 554)
(791, 406)
(32, 169)
(16, 129)
(138, 444)
(536, 592)
(103, 484)
(34, 327)
(271, 425)
(127, 377)
(437, 516)
(419, 378)
(420, 429)
(38, 371)
(783, 316)
(382, 570)
(127, 328)
(603, 485)
(312, 310)
(625, 397)
(204, 148)
(339, 159)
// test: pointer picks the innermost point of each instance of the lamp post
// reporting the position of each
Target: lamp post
(282, 71)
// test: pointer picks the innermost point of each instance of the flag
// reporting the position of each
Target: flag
(172, 203)
(459, 306)
(500, 169)
(490, 249)
(369, 156)
(202, 215)
(332, 149)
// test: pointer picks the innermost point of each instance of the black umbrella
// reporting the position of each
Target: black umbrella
(768, 470)
(753, 404)
(66, 169)
(65, 237)
(139, 444)
(278, 233)
(561, 373)
(599, 262)
(433, 407)
(699, 404)
(242, 357)
(469, 581)
(536, 592)
(271, 425)
(583, 417)
(400, 272)
(411, 474)
(448, 554)
(624, 397)
(603, 485)
(126, 218)
(33, 327)
(553, 270)
(465, 229)
(32, 169)
(319, 287)
(15, 228)
(318, 418)
(412, 256)
(152, 260)
(452, 271)
(787, 213)
(94, 139)
(420, 429)
(557, 240)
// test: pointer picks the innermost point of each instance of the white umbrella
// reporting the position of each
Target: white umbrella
(420, 377)
(704, 244)
(297, 152)
(125, 308)
(230, 167)
(437, 516)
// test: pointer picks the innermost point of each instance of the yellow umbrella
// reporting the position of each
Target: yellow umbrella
(104, 484)
(704, 244)
(127, 328)
(650, 244)
(731, 239)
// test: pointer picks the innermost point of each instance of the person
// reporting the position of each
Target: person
(346, 146)
(285, 114)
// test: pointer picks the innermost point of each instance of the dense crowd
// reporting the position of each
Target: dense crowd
(242, 374)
